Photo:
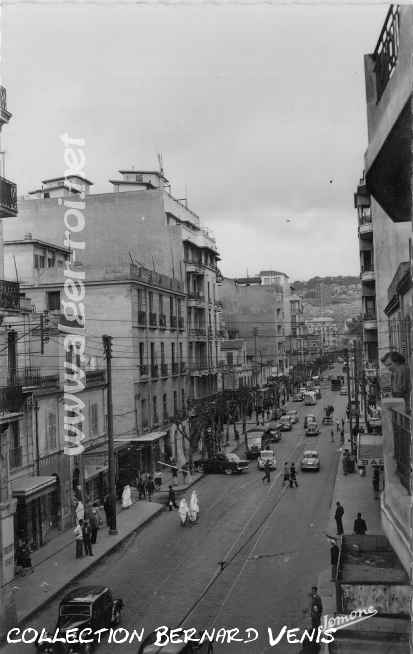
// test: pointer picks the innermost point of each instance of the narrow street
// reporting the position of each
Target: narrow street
(271, 538)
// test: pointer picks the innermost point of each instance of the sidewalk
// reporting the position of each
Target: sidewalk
(356, 495)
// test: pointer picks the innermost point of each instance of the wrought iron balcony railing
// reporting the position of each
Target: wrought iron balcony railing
(387, 50)
(11, 399)
(142, 317)
(173, 322)
(8, 198)
(164, 369)
(155, 371)
(152, 320)
(162, 321)
(183, 367)
(143, 370)
(9, 295)
(16, 457)
(401, 435)
(175, 368)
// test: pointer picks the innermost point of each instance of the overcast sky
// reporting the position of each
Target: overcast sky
(259, 112)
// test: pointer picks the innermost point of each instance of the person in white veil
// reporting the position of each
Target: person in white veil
(193, 507)
(126, 497)
(183, 511)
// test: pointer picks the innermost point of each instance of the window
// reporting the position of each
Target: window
(161, 304)
(53, 300)
(162, 353)
(230, 358)
(181, 352)
(94, 419)
(51, 260)
(171, 306)
(175, 403)
(164, 406)
(39, 261)
(141, 354)
(153, 357)
(144, 413)
(183, 399)
(155, 409)
(209, 291)
(51, 431)
(14, 435)
(173, 352)
(141, 299)
(150, 297)
(179, 307)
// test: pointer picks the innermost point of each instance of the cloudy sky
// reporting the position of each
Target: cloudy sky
(258, 111)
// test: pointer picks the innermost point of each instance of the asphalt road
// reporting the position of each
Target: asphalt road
(271, 538)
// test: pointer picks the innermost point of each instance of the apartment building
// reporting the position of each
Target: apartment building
(326, 329)
(235, 369)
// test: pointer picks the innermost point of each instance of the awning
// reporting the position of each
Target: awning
(30, 488)
(143, 438)
(101, 451)
(92, 471)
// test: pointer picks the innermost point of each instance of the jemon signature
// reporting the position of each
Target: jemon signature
(334, 623)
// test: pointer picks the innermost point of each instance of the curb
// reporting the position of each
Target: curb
(94, 563)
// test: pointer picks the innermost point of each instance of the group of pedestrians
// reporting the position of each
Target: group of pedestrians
(359, 527)
(146, 488)
(290, 475)
(86, 530)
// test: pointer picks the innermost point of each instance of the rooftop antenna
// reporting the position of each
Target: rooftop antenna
(160, 162)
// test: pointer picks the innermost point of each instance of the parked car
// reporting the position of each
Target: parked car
(271, 434)
(298, 397)
(86, 607)
(312, 429)
(254, 444)
(285, 422)
(148, 647)
(317, 391)
(228, 464)
(309, 418)
(293, 414)
(267, 455)
(310, 460)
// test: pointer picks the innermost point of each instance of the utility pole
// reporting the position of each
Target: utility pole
(255, 354)
(107, 346)
(346, 354)
(356, 384)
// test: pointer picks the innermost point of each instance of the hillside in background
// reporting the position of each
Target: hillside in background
(338, 297)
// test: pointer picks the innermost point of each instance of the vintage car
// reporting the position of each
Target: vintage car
(298, 397)
(293, 414)
(149, 647)
(310, 460)
(286, 423)
(267, 455)
(85, 607)
(228, 464)
(312, 429)
(254, 444)
(309, 418)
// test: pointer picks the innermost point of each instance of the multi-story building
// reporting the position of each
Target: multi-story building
(234, 368)
(326, 329)
(384, 203)
(297, 339)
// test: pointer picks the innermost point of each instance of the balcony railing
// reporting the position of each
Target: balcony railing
(155, 279)
(365, 217)
(143, 370)
(155, 371)
(152, 320)
(183, 367)
(387, 50)
(196, 332)
(401, 435)
(196, 297)
(175, 368)
(181, 322)
(162, 321)
(16, 457)
(11, 399)
(141, 317)
(95, 376)
(9, 295)
(367, 267)
(173, 322)
(8, 198)
(198, 364)
(164, 369)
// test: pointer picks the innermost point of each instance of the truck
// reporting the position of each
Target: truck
(369, 451)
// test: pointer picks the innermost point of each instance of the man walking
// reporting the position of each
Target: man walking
(79, 539)
(94, 526)
(87, 538)
(376, 483)
(149, 488)
(338, 517)
(172, 499)
(293, 476)
(267, 472)
(360, 526)
(316, 608)
(286, 474)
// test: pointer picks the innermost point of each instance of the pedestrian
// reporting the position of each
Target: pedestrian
(141, 489)
(126, 497)
(376, 483)
(338, 517)
(174, 477)
(172, 499)
(332, 435)
(107, 507)
(293, 476)
(184, 474)
(94, 525)
(342, 437)
(87, 538)
(286, 478)
(316, 608)
(267, 472)
(23, 556)
(149, 487)
(78, 531)
(360, 526)
(79, 511)
(334, 554)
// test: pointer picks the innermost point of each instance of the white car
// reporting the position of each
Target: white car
(293, 414)
(267, 455)
(310, 460)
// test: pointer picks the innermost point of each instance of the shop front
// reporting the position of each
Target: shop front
(95, 471)
(37, 517)
(141, 455)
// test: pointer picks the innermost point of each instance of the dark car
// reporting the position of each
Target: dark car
(148, 647)
(254, 445)
(86, 607)
(228, 464)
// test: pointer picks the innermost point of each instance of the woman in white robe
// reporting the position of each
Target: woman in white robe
(183, 511)
(126, 497)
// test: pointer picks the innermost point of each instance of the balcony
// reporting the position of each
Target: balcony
(175, 368)
(155, 371)
(196, 299)
(95, 377)
(182, 367)
(369, 320)
(153, 278)
(142, 318)
(162, 321)
(16, 457)
(173, 322)
(387, 50)
(197, 333)
(164, 369)
(198, 367)
(367, 273)
(401, 436)
(8, 198)
(11, 399)
(153, 320)
(143, 370)
(9, 295)
(181, 323)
